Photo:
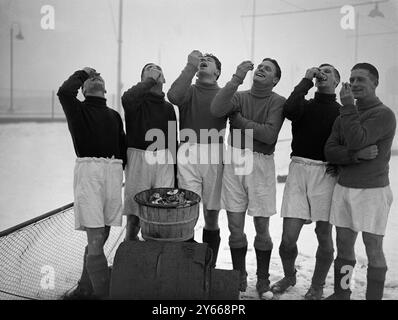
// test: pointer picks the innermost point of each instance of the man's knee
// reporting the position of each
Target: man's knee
(236, 221)
(237, 240)
(263, 242)
(289, 240)
(374, 247)
(345, 242)
(261, 224)
(291, 231)
(236, 224)
(373, 241)
(211, 219)
(323, 232)
(96, 241)
(343, 246)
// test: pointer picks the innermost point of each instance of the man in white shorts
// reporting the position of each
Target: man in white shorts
(148, 165)
(309, 187)
(362, 197)
(99, 141)
(199, 158)
(257, 114)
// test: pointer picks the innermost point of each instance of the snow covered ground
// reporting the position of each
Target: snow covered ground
(36, 170)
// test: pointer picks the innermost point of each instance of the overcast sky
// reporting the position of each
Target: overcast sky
(166, 31)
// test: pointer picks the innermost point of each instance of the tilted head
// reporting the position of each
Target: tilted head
(146, 71)
(363, 80)
(209, 66)
(94, 86)
(267, 72)
(332, 78)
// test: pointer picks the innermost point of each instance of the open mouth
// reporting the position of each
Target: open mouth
(260, 75)
(96, 80)
(321, 78)
(203, 65)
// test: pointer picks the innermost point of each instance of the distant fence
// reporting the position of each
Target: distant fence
(38, 104)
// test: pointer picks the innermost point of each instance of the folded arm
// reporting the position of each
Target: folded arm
(361, 134)
(335, 151)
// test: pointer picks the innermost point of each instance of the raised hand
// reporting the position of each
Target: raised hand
(346, 96)
(244, 68)
(311, 73)
(368, 153)
(155, 74)
(194, 58)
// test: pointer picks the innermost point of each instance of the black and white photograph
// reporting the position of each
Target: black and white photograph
(224, 151)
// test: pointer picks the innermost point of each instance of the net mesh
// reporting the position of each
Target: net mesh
(44, 260)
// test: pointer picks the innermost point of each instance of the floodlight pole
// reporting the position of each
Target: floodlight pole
(119, 59)
(19, 37)
(11, 69)
(356, 37)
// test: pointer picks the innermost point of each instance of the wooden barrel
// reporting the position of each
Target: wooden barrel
(167, 223)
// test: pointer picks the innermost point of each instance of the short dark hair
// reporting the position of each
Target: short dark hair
(367, 66)
(277, 67)
(336, 72)
(218, 63)
(143, 69)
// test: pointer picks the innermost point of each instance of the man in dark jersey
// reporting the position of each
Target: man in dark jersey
(201, 177)
(146, 109)
(309, 188)
(99, 141)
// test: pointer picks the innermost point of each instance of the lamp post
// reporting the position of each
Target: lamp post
(18, 36)
(253, 31)
(356, 37)
(119, 58)
(253, 34)
(376, 12)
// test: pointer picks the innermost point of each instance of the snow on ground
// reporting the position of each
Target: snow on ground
(305, 262)
(36, 169)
